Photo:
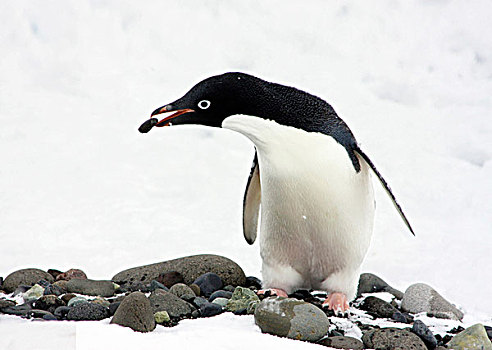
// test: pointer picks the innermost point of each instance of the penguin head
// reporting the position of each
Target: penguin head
(212, 100)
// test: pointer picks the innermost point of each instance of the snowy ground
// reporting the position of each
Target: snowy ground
(80, 187)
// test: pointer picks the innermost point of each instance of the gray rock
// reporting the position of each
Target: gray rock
(25, 276)
(208, 283)
(88, 312)
(90, 287)
(157, 285)
(6, 303)
(189, 267)
(291, 318)
(424, 333)
(35, 292)
(341, 342)
(421, 297)
(370, 283)
(180, 289)
(220, 294)
(160, 300)
(210, 309)
(17, 310)
(474, 337)
(221, 301)
(61, 312)
(48, 303)
(392, 339)
(76, 301)
(240, 299)
(378, 307)
(199, 301)
(135, 312)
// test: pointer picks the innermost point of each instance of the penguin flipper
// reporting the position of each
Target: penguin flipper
(386, 187)
(251, 203)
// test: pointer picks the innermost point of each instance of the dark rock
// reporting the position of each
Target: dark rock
(370, 283)
(1, 282)
(17, 310)
(378, 307)
(488, 329)
(399, 317)
(66, 297)
(54, 273)
(100, 301)
(21, 289)
(421, 297)
(195, 289)
(157, 285)
(48, 303)
(61, 312)
(169, 279)
(90, 287)
(6, 303)
(291, 318)
(424, 333)
(220, 294)
(135, 311)
(43, 283)
(189, 267)
(88, 311)
(76, 301)
(474, 337)
(50, 317)
(53, 289)
(36, 313)
(229, 288)
(301, 294)
(341, 342)
(180, 289)
(62, 284)
(252, 281)
(195, 314)
(208, 283)
(160, 300)
(113, 307)
(392, 339)
(71, 274)
(210, 309)
(199, 301)
(25, 277)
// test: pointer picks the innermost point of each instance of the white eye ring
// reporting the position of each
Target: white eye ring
(204, 104)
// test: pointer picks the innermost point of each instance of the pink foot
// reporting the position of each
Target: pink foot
(274, 291)
(337, 302)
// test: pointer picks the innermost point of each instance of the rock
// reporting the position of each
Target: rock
(43, 283)
(208, 282)
(189, 267)
(48, 303)
(421, 297)
(252, 281)
(61, 312)
(100, 301)
(87, 311)
(474, 337)
(25, 276)
(157, 285)
(6, 303)
(378, 307)
(161, 317)
(17, 310)
(76, 301)
(34, 293)
(36, 313)
(210, 309)
(221, 301)
(71, 274)
(240, 299)
(50, 317)
(53, 290)
(135, 311)
(54, 273)
(180, 289)
(220, 294)
(252, 307)
(370, 283)
(62, 285)
(399, 317)
(169, 279)
(160, 300)
(195, 289)
(342, 342)
(488, 329)
(1, 282)
(91, 287)
(392, 339)
(66, 297)
(291, 318)
(424, 333)
(199, 301)
(113, 307)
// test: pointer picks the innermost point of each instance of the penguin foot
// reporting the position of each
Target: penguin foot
(337, 302)
(272, 292)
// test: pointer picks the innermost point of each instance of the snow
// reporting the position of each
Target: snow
(80, 187)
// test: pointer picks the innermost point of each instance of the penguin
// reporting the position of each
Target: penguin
(309, 191)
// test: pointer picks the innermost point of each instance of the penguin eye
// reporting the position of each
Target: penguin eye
(204, 104)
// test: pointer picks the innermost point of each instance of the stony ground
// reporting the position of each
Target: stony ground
(162, 294)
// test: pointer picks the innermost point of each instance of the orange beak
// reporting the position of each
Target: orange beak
(166, 109)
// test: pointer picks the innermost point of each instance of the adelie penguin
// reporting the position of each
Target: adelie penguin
(309, 178)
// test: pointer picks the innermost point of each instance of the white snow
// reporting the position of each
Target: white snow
(80, 187)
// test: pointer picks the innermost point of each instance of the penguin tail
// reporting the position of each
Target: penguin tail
(386, 187)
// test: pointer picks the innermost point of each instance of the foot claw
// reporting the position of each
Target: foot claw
(337, 302)
(273, 291)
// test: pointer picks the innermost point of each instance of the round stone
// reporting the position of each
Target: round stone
(87, 311)
(180, 289)
(160, 300)
(25, 277)
(342, 342)
(208, 283)
(392, 339)
(91, 287)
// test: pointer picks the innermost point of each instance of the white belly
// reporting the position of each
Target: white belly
(316, 212)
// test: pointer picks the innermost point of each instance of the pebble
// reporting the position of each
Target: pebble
(35, 292)
(91, 287)
(220, 301)
(169, 279)
(49, 317)
(370, 283)
(113, 307)
(87, 311)
(488, 329)
(6, 303)
(189, 267)
(135, 312)
(53, 290)
(240, 299)
(421, 297)
(61, 312)
(100, 301)
(291, 318)
(48, 303)
(209, 282)
(474, 337)
(342, 342)
(229, 288)
(252, 281)
(157, 285)
(160, 300)
(36, 313)
(210, 309)
(17, 310)
(1, 282)
(424, 333)
(392, 339)
(199, 301)
(195, 289)
(71, 274)
(180, 289)
(66, 297)
(162, 317)
(21, 289)
(76, 301)
(43, 283)
(378, 307)
(62, 285)
(26, 277)
(220, 294)
(54, 273)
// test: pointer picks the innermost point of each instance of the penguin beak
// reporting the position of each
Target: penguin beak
(169, 108)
